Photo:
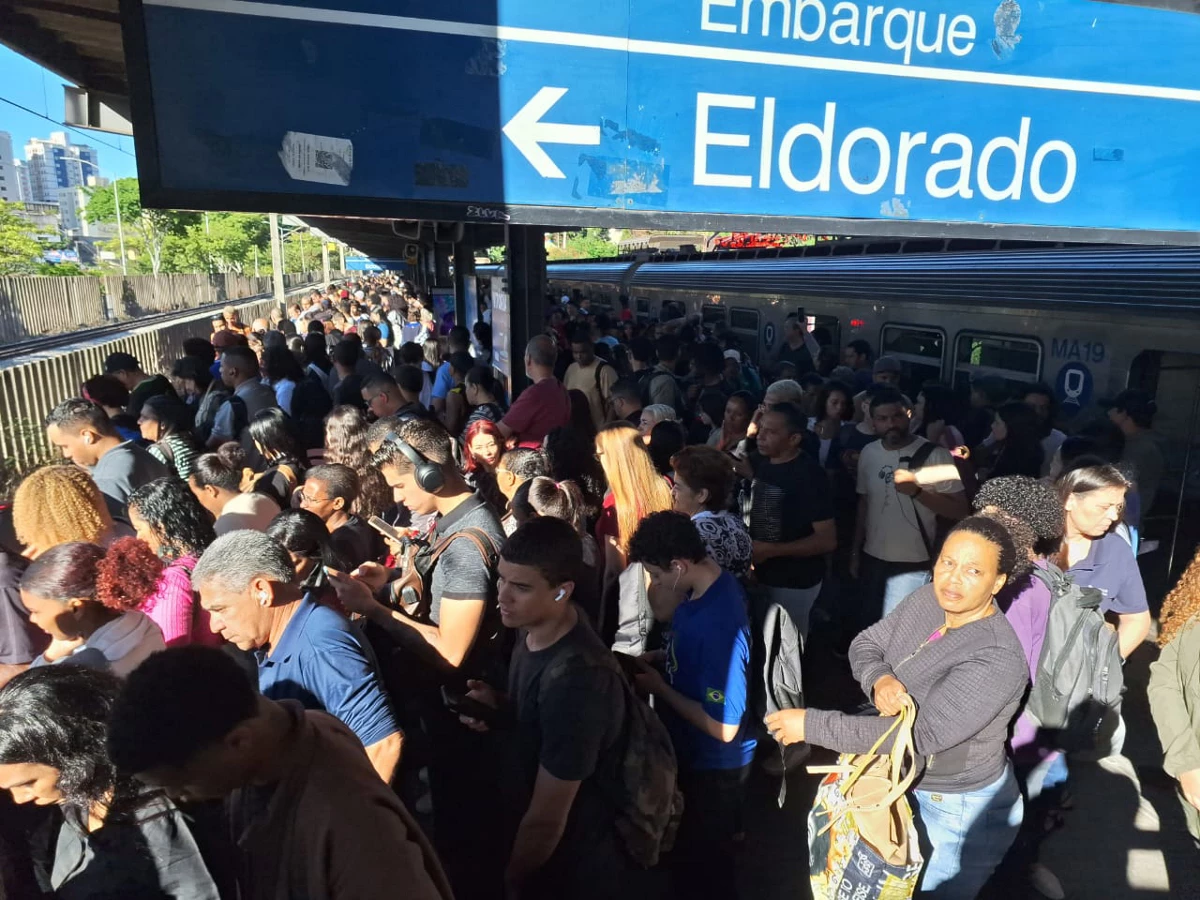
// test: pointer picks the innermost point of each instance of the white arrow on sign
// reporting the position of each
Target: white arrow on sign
(528, 132)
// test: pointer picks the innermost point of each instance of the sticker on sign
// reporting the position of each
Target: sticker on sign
(312, 157)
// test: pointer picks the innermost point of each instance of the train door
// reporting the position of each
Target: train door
(921, 351)
(743, 324)
(1173, 380)
(1018, 360)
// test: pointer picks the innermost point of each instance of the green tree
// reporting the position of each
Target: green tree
(20, 250)
(588, 243)
(67, 268)
(219, 242)
(302, 253)
(152, 226)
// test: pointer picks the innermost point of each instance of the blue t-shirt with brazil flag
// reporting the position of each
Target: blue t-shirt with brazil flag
(708, 660)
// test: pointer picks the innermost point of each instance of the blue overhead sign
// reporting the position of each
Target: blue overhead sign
(756, 114)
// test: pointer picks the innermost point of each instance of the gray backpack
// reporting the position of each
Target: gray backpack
(1076, 693)
(776, 679)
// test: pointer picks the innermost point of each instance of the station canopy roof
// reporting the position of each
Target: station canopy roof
(81, 41)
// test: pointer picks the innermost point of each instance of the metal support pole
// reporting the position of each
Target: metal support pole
(276, 259)
(466, 303)
(120, 229)
(342, 253)
(256, 260)
(324, 262)
(526, 292)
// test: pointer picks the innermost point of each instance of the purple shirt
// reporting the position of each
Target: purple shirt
(1112, 569)
(1027, 608)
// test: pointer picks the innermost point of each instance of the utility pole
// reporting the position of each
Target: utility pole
(303, 255)
(256, 260)
(276, 259)
(324, 261)
(342, 252)
(120, 230)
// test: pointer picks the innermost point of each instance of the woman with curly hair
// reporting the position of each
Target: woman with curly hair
(947, 650)
(56, 504)
(346, 445)
(1032, 512)
(87, 600)
(1174, 690)
(170, 521)
(114, 839)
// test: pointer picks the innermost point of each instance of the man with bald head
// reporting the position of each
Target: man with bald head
(545, 404)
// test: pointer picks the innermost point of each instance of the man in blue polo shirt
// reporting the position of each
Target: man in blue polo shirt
(703, 696)
(459, 340)
(305, 651)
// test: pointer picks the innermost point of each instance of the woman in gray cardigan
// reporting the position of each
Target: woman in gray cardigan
(948, 647)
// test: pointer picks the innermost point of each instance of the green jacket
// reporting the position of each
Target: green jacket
(1174, 693)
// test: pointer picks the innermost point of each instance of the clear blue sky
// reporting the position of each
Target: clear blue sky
(25, 82)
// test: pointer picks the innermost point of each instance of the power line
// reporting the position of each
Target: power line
(89, 135)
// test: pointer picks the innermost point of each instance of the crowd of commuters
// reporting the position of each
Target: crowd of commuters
(319, 612)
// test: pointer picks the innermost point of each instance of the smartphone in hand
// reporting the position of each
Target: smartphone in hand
(462, 705)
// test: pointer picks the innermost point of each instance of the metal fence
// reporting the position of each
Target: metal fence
(32, 307)
(31, 388)
(35, 306)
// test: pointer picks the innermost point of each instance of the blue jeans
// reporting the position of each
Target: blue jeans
(965, 836)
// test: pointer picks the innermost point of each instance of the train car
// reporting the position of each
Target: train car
(1089, 321)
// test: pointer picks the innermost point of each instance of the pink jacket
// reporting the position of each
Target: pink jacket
(176, 610)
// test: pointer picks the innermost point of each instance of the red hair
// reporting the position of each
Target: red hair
(127, 575)
(476, 428)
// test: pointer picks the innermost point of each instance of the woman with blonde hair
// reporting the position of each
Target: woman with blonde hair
(57, 504)
(635, 489)
(1174, 690)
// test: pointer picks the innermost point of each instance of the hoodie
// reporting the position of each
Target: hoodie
(120, 646)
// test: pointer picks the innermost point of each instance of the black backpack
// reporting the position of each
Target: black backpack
(1077, 688)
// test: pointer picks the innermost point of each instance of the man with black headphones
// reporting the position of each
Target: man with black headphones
(460, 636)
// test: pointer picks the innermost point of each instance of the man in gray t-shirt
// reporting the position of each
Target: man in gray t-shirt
(84, 434)
(460, 637)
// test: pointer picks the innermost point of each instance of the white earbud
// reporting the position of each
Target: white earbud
(562, 592)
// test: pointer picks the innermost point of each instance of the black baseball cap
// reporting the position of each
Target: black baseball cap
(1133, 401)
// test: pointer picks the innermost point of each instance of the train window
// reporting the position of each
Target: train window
(1017, 360)
(827, 330)
(919, 351)
(673, 309)
(741, 319)
(643, 306)
(744, 325)
(712, 314)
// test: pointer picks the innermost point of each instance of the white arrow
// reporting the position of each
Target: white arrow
(528, 132)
